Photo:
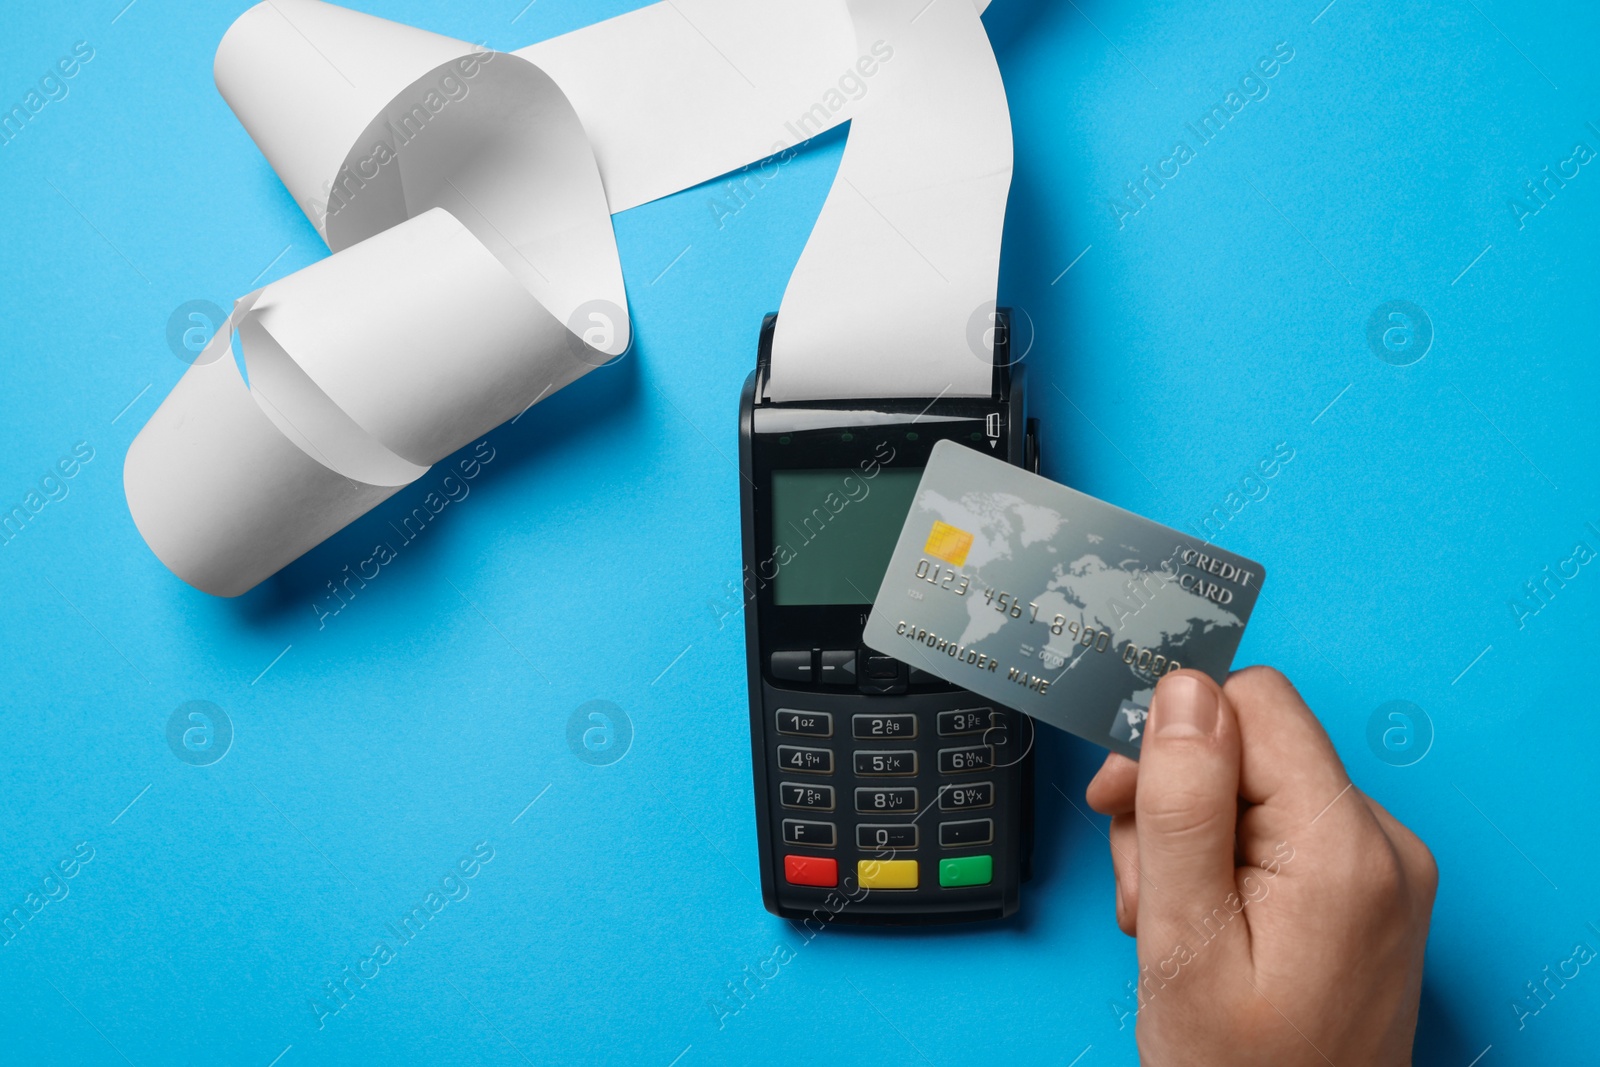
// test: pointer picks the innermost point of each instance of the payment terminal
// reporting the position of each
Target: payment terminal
(883, 794)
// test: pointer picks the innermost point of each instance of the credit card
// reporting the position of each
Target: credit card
(1049, 601)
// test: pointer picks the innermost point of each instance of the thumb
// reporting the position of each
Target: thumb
(1186, 808)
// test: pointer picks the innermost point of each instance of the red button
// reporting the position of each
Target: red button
(811, 870)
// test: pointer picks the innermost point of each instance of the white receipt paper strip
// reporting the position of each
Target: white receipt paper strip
(466, 197)
(905, 256)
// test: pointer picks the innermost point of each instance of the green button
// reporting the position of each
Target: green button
(967, 870)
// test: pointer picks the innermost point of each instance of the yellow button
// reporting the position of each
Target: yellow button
(887, 874)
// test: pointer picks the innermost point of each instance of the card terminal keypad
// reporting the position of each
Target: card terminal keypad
(911, 788)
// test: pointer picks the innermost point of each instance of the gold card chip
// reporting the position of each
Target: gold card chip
(949, 543)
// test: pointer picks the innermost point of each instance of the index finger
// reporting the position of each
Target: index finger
(1287, 761)
(1111, 790)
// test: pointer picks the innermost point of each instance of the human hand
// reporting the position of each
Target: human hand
(1281, 914)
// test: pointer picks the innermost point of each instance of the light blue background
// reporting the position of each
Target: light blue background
(597, 557)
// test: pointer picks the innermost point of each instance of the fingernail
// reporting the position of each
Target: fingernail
(1184, 707)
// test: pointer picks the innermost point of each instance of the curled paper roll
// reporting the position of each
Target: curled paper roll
(466, 197)
(469, 225)
(221, 494)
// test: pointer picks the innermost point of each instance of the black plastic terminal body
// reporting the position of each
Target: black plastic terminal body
(864, 744)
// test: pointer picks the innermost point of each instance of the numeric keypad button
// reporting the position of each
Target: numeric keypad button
(883, 727)
(966, 721)
(795, 759)
(897, 764)
(874, 836)
(871, 801)
(966, 796)
(966, 759)
(805, 723)
(805, 795)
